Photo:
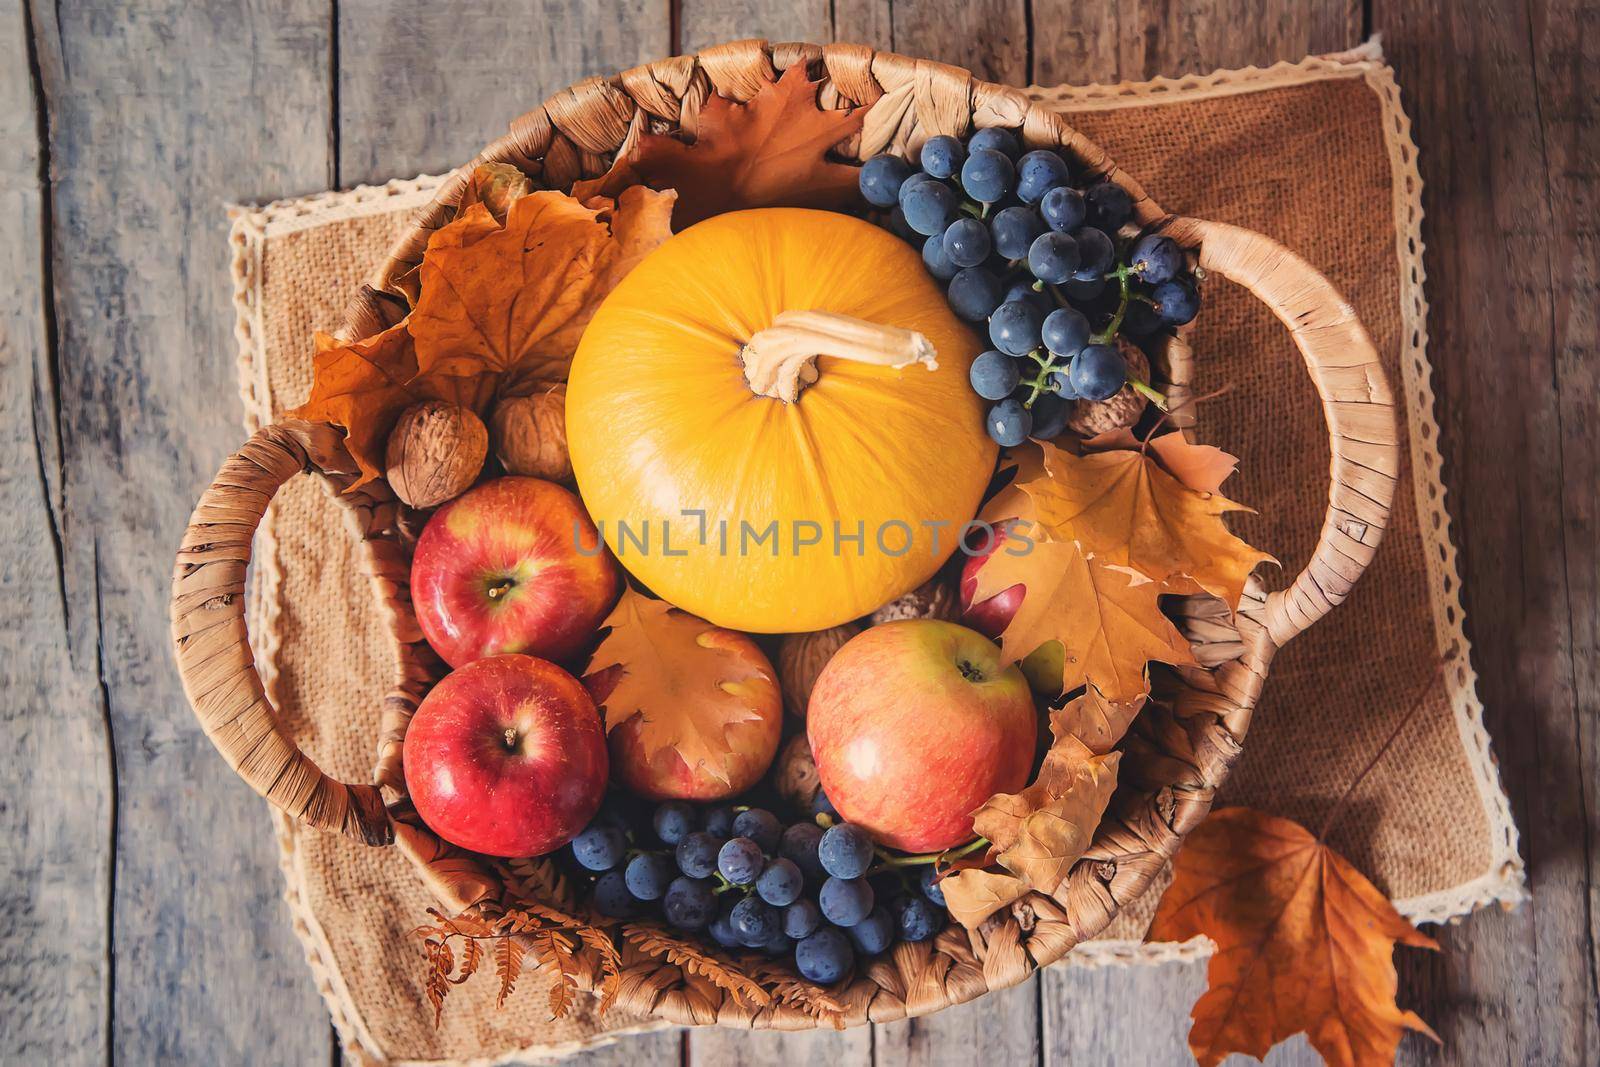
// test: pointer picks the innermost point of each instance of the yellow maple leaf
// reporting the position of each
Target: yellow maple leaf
(1124, 509)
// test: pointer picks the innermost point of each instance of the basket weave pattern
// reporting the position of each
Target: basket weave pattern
(1176, 757)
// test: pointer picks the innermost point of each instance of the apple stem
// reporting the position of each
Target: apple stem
(511, 739)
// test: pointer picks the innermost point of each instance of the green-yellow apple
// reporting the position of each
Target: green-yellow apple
(914, 725)
(513, 565)
(506, 756)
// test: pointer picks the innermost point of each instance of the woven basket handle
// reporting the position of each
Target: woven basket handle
(213, 648)
(1356, 401)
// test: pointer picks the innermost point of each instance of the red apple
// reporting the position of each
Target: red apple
(514, 565)
(914, 725)
(752, 743)
(1044, 665)
(506, 756)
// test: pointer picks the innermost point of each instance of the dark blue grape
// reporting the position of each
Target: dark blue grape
(1095, 254)
(1084, 290)
(740, 861)
(689, 904)
(928, 882)
(673, 821)
(881, 178)
(1141, 319)
(611, 896)
(1156, 259)
(966, 242)
(697, 854)
(760, 826)
(995, 139)
(875, 933)
(1037, 173)
(917, 918)
(845, 851)
(780, 884)
(1061, 385)
(1109, 206)
(942, 156)
(799, 845)
(600, 847)
(1023, 290)
(648, 875)
(1014, 229)
(1053, 257)
(1177, 301)
(994, 375)
(987, 175)
(845, 901)
(721, 929)
(901, 228)
(1098, 372)
(824, 957)
(974, 293)
(1065, 331)
(1063, 209)
(1014, 327)
(779, 945)
(755, 921)
(719, 821)
(929, 206)
(1009, 422)
(1050, 414)
(935, 260)
(801, 919)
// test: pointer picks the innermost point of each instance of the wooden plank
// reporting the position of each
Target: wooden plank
(988, 37)
(999, 1029)
(715, 1047)
(1506, 109)
(423, 86)
(1083, 41)
(56, 818)
(157, 115)
(708, 22)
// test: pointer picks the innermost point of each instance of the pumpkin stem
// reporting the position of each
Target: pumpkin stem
(780, 360)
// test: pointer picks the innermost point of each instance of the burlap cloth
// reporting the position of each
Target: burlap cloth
(1316, 154)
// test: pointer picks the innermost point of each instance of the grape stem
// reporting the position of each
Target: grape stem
(948, 855)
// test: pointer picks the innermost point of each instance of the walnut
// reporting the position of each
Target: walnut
(801, 658)
(797, 779)
(933, 599)
(1090, 417)
(530, 434)
(435, 453)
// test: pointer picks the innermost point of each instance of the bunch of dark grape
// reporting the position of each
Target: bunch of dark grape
(818, 891)
(1042, 257)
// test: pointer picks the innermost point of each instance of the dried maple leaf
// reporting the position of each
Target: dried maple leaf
(769, 152)
(517, 297)
(363, 387)
(972, 895)
(1304, 943)
(674, 673)
(1124, 509)
(1039, 833)
(1202, 468)
(1109, 622)
(1095, 721)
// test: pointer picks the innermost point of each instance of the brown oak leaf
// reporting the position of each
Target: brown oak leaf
(768, 152)
(972, 895)
(1039, 833)
(677, 674)
(1095, 721)
(1124, 509)
(1109, 622)
(1304, 943)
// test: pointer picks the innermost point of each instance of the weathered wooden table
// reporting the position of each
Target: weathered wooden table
(140, 919)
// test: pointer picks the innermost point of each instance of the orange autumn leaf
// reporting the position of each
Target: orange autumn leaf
(516, 297)
(972, 895)
(497, 186)
(1304, 943)
(1095, 721)
(1109, 622)
(1202, 468)
(363, 387)
(1125, 510)
(769, 152)
(677, 675)
(1039, 833)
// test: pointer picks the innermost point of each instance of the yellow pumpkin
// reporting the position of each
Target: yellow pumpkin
(797, 378)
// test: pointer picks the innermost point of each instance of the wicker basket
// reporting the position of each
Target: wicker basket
(1175, 758)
